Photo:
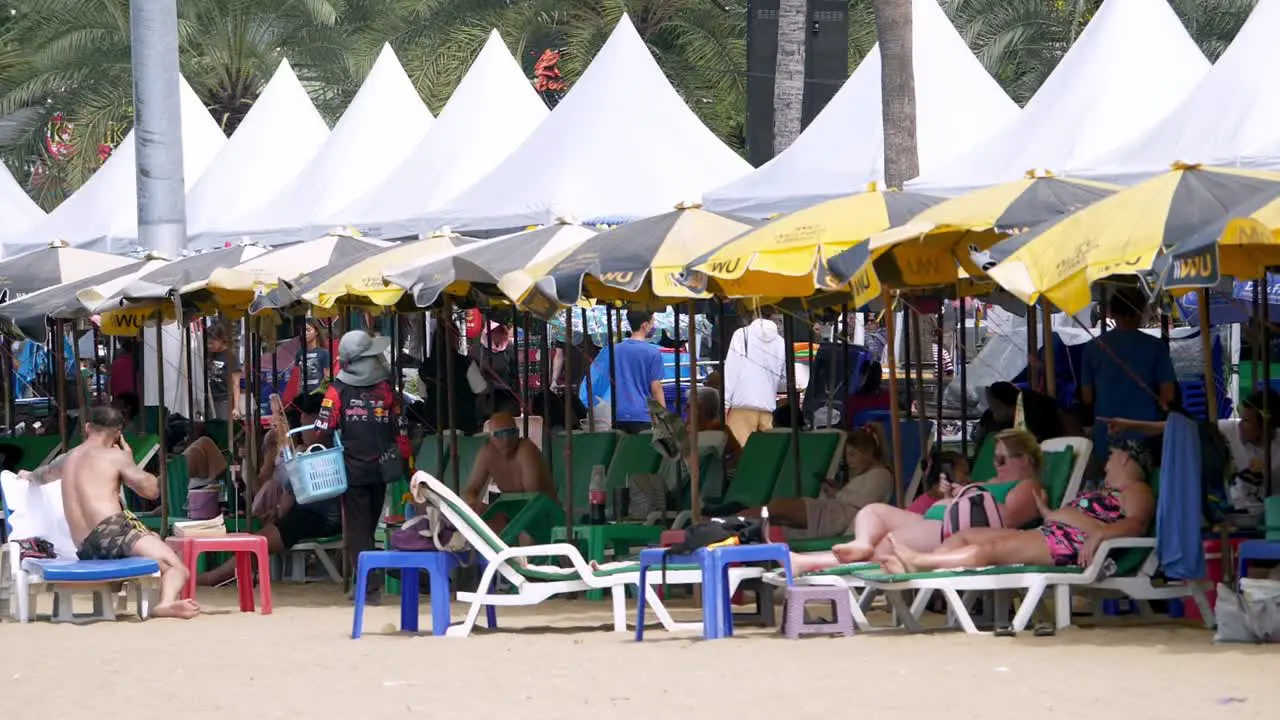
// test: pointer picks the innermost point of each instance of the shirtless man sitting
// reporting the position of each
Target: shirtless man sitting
(512, 463)
(101, 528)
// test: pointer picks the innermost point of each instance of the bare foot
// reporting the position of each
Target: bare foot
(182, 609)
(909, 558)
(802, 563)
(892, 565)
(854, 552)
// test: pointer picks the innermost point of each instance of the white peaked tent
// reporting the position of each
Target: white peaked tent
(1230, 118)
(385, 117)
(273, 143)
(103, 213)
(490, 113)
(16, 207)
(622, 144)
(958, 105)
(1130, 67)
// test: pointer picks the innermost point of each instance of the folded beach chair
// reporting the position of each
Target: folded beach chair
(533, 584)
(589, 450)
(35, 511)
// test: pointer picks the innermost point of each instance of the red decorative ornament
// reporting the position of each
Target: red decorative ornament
(546, 73)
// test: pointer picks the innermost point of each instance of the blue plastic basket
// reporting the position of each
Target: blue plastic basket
(320, 474)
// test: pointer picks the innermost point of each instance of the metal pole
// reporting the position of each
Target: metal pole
(940, 370)
(446, 326)
(528, 360)
(895, 423)
(437, 356)
(190, 367)
(591, 398)
(675, 315)
(60, 370)
(1050, 362)
(569, 419)
(963, 370)
(162, 220)
(695, 467)
(613, 339)
(1265, 316)
(1206, 350)
(162, 410)
(793, 396)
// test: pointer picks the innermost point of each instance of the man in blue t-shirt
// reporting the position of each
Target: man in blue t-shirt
(1115, 392)
(638, 369)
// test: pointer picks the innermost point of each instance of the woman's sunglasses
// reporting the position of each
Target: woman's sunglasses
(506, 433)
(1002, 460)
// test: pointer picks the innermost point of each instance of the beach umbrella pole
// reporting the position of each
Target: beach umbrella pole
(695, 465)
(446, 323)
(188, 363)
(938, 335)
(615, 335)
(1263, 314)
(895, 412)
(1206, 352)
(545, 369)
(431, 344)
(60, 383)
(793, 397)
(675, 315)
(162, 410)
(723, 347)
(919, 356)
(569, 419)
(591, 398)
(962, 369)
(1050, 361)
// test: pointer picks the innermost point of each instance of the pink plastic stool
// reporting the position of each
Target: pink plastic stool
(244, 547)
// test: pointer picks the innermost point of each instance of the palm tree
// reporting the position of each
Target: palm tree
(789, 75)
(897, 91)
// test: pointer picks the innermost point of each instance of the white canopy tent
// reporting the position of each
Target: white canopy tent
(17, 208)
(273, 143)
(364, 147)
(490, 113)
(621, 145)
(958, 105)
(103, 213)
(1228, 119)
(1129, 69)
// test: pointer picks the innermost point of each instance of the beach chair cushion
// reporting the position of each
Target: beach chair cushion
(758, 465)
(802, 545)
(817, 449)
(90, 571)
(984, 463)
(468, 448)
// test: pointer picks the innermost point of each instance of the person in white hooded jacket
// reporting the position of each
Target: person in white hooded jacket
(754, 370)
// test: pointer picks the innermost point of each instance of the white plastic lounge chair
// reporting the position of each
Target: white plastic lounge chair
(36, 511)
(856, 576)
(533, 584)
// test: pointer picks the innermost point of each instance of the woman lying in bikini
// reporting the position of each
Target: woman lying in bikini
(1123, 507)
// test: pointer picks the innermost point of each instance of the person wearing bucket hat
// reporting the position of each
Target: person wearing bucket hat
(361, 403)
(1123, 507)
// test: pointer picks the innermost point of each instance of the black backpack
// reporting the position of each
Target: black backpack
(716, 531)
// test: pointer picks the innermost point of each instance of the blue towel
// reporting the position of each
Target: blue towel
(1178, 510)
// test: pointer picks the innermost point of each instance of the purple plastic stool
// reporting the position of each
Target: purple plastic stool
(798, 597)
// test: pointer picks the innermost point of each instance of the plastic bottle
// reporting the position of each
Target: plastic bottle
(764, 524)
(596, 495)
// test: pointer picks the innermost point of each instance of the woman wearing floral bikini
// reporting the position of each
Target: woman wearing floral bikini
(1123, 507)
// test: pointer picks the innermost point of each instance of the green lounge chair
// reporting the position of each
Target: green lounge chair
(820, 452)
(36, 449)
(589, 450)
(758, 466)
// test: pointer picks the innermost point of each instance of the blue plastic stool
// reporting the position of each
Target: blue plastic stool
(1250, 550)
(437, 565)
(717, 612)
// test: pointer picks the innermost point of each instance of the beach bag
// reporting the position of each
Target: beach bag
(1250, 614)
(426, 532)
(974, 507)
(646, 494)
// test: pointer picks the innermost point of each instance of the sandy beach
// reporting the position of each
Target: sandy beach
(560, 661)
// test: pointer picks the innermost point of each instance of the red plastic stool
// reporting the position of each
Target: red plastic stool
(244, 547)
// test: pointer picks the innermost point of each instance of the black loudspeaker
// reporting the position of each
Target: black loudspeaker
(826, 56)
(762, 60)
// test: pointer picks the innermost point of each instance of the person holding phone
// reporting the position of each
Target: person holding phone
(945, 476)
